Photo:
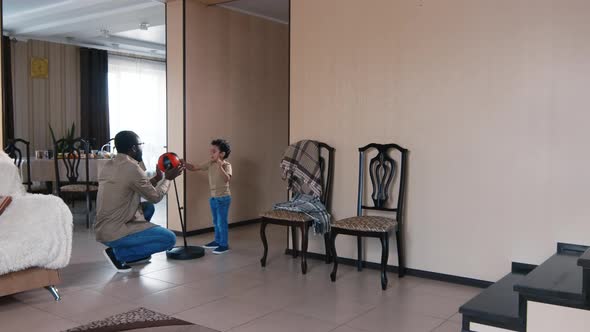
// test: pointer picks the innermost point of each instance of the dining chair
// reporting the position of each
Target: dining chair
(298, 220)
(385, 174)
(73, 152)
(15, 152)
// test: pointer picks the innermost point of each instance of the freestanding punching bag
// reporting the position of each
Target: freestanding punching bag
(168, 161)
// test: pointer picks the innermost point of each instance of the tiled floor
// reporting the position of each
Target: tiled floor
(233, 293)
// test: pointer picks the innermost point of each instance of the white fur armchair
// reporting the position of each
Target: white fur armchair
(35, 236)
(10, 181)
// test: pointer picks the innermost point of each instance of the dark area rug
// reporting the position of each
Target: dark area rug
(140, 319)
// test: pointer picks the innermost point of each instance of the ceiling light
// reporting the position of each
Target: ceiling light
(144, 26)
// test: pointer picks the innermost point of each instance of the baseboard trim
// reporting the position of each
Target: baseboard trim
(211, 229)
(522, 268)
(571, 248)
(411, 272)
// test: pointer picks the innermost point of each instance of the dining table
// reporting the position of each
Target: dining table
(43, 170)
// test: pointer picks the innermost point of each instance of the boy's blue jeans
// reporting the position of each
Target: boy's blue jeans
(145, 243)
(219, 211)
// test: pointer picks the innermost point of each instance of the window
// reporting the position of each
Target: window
(137, 102)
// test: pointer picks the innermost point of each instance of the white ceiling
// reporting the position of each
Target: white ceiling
(111, 24)
(108, 24)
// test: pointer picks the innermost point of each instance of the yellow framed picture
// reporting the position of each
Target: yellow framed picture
(39, 68)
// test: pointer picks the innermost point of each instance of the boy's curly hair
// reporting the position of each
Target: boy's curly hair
(223, 146)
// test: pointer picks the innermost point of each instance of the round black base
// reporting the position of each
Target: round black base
(185, 253)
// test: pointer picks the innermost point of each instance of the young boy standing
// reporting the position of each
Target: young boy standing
(220, 173)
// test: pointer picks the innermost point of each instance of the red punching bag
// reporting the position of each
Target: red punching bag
(168, 161)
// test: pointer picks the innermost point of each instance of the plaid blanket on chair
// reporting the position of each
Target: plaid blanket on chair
(312, 207)
(301, 168)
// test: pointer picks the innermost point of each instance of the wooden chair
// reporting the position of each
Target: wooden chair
(14, 152)
(297, 220)
(73, 152)
(383, 172)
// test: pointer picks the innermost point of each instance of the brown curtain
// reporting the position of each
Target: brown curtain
(8, 105)
(94, 94)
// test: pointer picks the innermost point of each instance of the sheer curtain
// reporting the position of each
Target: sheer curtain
(137, 102)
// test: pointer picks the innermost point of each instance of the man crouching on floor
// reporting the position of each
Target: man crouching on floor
(122, 221)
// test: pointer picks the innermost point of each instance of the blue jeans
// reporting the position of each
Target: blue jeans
(145, 243)
(219, 211)
(148, 210)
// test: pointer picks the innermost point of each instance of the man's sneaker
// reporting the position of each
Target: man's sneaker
(211, 245)
(140, 261)
(221, 250)
(110, 255)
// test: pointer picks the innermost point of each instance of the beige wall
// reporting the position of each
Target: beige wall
(237, 88)
(39, 102)
(175, 99)
(489, 96)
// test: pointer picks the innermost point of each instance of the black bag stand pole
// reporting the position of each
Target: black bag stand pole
(185, 252)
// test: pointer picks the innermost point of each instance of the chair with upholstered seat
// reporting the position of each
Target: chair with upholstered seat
(73, 152)
(385, 174)
(297, 220)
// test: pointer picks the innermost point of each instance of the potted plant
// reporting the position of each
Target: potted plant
(69, 137)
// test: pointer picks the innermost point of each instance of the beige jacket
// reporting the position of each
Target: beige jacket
(121, 184)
